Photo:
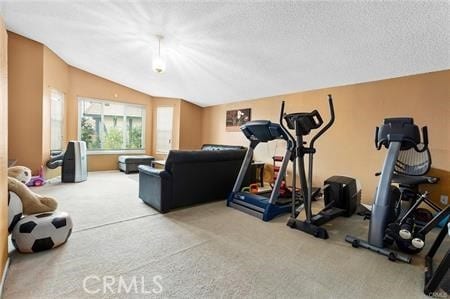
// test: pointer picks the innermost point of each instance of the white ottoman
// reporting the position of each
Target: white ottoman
(129, 164)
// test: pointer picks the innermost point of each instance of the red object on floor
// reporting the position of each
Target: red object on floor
(284, 190)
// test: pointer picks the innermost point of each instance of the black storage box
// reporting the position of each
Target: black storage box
(344, 191)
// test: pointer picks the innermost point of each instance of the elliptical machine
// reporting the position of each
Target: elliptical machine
(390, 221)
(341, 196)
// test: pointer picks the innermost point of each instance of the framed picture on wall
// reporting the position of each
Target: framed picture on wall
(236, 118)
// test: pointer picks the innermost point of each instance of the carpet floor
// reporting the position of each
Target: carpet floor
(206, 251)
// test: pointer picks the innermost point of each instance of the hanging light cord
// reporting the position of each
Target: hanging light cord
(159, 47)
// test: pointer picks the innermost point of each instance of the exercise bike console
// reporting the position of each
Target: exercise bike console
(401, 130)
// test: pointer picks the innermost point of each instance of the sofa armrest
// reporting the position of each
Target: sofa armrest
(155, 187)
(154, 171)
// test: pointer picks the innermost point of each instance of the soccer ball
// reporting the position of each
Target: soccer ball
(15, 210)
(41, 232)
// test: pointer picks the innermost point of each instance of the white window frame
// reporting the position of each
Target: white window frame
(126, 104)
(158, 151)
(54, 92)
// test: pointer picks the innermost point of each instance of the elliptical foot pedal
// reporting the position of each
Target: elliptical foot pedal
(291, 222)
(392, 257)
(309, 228)
(355, 243)
(321, 233)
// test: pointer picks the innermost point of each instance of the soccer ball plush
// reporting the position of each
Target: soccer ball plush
(15, 210)
(41, 232)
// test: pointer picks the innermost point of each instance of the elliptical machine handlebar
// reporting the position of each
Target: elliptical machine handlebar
(291, 138)
(328, 125)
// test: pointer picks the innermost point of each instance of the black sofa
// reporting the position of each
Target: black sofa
(191, 177)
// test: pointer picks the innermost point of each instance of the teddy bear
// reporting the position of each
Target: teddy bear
(32, 203)
(21, 173)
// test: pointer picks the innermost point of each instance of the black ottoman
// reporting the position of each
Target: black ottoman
(129, 164)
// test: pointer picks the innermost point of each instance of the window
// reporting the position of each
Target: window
(57, 120)
(164, 119)
(111, 126)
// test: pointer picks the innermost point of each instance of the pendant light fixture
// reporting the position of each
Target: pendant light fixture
(158, 64)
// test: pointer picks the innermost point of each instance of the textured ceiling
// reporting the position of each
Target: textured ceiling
(220, 52)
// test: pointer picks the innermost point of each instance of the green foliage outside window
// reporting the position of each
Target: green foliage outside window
(105, 126)
(135, 138)
(88, 133)
(113, 139)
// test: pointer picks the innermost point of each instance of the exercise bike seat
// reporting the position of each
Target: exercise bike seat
(413, 180)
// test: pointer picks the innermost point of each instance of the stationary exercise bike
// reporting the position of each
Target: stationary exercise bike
(413, 221)
(394, 215)
(341, 195)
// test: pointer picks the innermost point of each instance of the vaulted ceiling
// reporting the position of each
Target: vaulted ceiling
(219, 52)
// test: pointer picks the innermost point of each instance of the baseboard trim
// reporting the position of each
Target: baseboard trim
(5, 272)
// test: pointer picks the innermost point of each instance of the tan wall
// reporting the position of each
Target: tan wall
(187, 124)
(190, 126)
(34, 71)
(56, 76)
(84, 84)
(25, 71)
(165, 102)
(348, 147)
(3, 146)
